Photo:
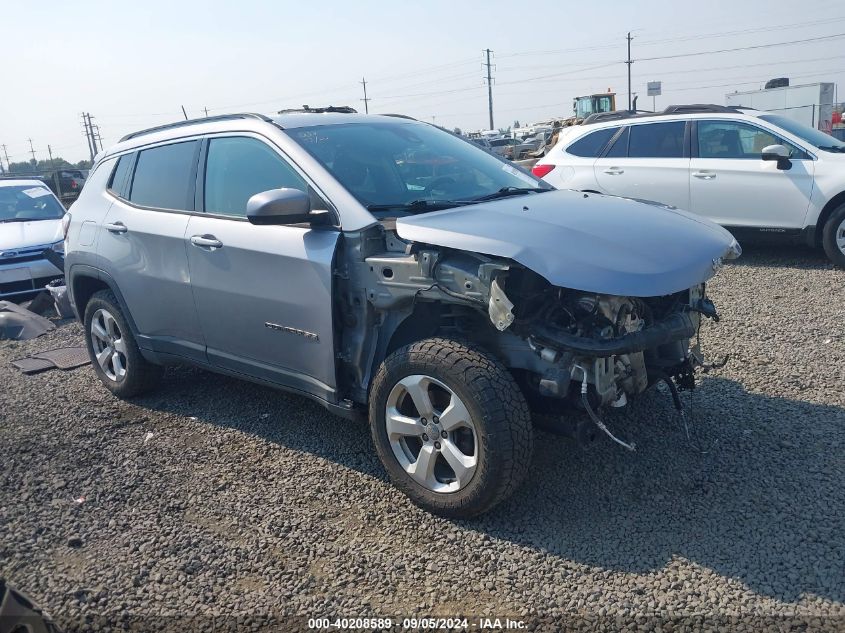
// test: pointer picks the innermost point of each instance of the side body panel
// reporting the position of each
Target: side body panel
(751, 193)
(149, 263)
(264, 300)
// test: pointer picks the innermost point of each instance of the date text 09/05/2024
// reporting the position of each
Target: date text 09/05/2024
(416, 623)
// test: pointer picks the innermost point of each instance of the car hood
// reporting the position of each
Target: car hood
(586, 242)
(16, 235)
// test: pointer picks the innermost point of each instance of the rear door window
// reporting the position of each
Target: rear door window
(164, 177)
(657, 140)
(591, 145)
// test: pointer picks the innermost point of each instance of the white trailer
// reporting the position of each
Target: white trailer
(810, 104)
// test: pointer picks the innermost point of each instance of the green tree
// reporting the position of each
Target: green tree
(32, 166)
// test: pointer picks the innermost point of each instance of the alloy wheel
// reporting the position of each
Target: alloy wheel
(431, 433)
(109, 346)
(839, 236)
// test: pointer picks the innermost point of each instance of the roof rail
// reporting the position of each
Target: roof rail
(210, 119)
(613, 116)
(693, 108)
(399, 116)
(306, 108)
(698, 107)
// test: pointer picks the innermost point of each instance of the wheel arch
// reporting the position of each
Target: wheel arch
(85, 281)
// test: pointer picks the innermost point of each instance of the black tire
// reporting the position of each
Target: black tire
(140, 375)
(495, 405)
(829, 233)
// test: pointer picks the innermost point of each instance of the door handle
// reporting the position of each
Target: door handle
(116, 227)
(206, 241)
(704, 175)
(614, 171)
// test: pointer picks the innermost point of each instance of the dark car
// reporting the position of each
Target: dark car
(65, 183)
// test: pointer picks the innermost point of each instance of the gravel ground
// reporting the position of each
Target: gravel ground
(215, 497)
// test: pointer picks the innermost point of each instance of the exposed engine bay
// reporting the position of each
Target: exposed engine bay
(566, 347)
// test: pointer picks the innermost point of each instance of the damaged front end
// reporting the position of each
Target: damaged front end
(566, 347)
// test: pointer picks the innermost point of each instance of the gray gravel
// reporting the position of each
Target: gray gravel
(218, 497)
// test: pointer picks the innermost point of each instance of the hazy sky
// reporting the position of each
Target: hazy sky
(134, 64)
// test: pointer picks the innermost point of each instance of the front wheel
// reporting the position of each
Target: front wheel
(450, 426)
(833, 236)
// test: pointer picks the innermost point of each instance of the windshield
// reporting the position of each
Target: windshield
(393, 165)
(22, 203)
(815, 138)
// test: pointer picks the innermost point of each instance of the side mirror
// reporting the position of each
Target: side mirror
(279, 206)
(780, 153)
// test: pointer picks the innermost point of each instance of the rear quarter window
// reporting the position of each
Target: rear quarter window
(591, 145)
(119, 180)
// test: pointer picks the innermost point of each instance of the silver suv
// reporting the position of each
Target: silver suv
(388, 270)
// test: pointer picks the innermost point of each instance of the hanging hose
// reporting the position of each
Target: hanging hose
(682, 412)
(596, 420)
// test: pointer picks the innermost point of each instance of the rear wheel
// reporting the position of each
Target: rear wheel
(114, 353)
(833, 236)
(450, 426)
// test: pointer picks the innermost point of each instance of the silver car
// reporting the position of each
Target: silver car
(392, 271)
(30, 223)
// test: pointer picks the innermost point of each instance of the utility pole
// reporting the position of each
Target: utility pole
(206, 112)
(31, 150)
(365, 100)
(185, 113)
(50, 154)
(95, 133)
(629, 62)
(489, 88)
(86, 123)
(6, 154)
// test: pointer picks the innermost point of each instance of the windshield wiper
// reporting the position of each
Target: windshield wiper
(833, 148)
(504, 192)
(416, 205)
(26, 219)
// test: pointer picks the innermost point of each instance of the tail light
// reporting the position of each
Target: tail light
(65, 225)
(541, 170)
(74, 184)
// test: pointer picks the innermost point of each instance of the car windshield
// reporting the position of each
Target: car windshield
(24, 203)
(411, 166)
(816, 138)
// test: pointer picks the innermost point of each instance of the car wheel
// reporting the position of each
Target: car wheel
(833, 236)
(451, 427)
(114, 353)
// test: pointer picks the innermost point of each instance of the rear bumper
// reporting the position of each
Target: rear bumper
(20, 280)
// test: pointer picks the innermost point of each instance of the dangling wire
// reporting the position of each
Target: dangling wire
(596, 420)
(682, 412)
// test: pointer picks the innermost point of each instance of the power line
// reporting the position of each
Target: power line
(761, 29)
(744, 48)
(680, 38)
(746, 83)
(426, 70)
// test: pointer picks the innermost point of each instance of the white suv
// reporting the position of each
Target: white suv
(743, 169)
